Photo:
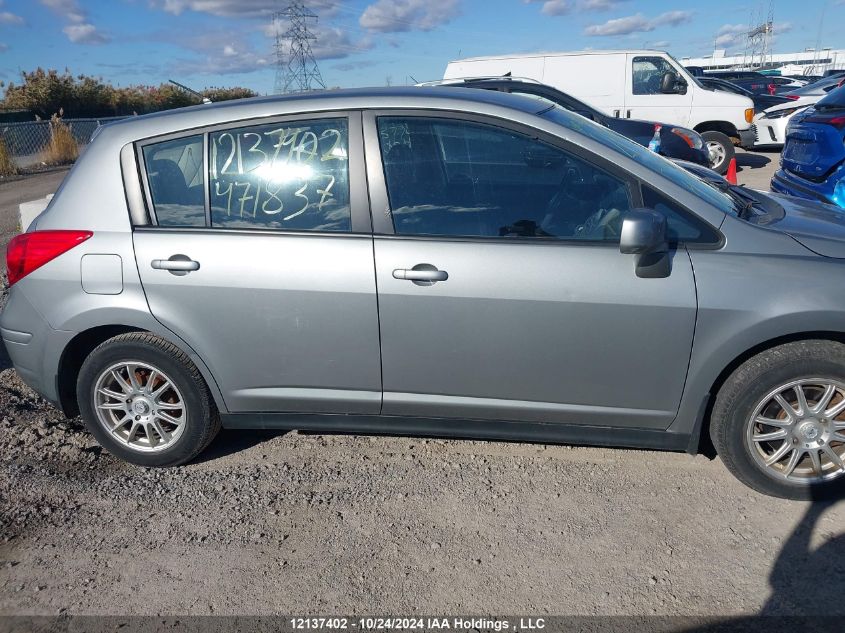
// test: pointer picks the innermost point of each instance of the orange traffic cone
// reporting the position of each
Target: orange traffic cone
(731, 175)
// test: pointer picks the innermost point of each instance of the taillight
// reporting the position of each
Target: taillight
(29, 251)
(772, 88)
(792, 97)
(836, 121)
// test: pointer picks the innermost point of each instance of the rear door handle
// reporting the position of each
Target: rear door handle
(177, 264)
(629, 114)
(421, 274)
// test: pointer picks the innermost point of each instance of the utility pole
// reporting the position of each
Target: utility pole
(296, 68)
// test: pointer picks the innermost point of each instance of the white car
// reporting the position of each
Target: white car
(770, 124)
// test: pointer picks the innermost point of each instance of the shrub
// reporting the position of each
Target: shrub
(62, 148)
(7, 165)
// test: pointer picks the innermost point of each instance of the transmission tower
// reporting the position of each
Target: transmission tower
(758, 44)
(296, 68)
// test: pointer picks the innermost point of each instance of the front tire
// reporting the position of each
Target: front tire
(778, 422)
(145, 402)
(720, 149)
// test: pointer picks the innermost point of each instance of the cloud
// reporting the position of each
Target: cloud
(733, 35)
(239, 8)
(638, 24)
(68, 9)
(79, 30)
(355, 65)
(3, 47)
(395, 16)
(565, 7)
(10, 18)
(85, 34)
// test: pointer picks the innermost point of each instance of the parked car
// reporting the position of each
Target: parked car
(429, 262)
(638, 84)
(750, 80)
(673, 141)
(811, 93)
(770, 125)
(813, 159)
(761, 101)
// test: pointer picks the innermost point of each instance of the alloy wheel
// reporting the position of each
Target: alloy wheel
(797, 431)
(140, 406)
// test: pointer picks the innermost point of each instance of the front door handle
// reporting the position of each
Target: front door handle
(629, 114)
(176, 264)
(421, 274)
(616, 113)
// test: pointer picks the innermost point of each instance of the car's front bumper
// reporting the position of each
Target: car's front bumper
(747, 138)
(770, 132)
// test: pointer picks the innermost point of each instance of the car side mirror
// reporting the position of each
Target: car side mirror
(644, 235)
(670, 84)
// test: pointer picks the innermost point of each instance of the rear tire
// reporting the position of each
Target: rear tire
(752, 396)
(720, 149)
(145, 402)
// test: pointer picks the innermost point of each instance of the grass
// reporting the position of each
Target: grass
(62, 148)
(7, 165)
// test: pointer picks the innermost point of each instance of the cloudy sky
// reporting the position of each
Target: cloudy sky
(370, 42)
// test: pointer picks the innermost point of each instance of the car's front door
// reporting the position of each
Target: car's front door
(262, 261)
(502, 291)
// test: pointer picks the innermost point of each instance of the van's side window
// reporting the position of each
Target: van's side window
(174, 172)
(647, 73)
(291, 176)
(447, 177)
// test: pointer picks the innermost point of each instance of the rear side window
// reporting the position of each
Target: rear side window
(177, 184)
(291, 176)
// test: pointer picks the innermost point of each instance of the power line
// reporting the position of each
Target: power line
(296, 68)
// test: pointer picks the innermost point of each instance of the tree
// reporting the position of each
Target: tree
(46, 92)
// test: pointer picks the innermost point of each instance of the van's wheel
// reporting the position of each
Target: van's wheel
(145, 401)
(778, 422)
(720, 148)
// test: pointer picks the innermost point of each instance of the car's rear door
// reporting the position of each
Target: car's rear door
(260, 257)
(502, 291)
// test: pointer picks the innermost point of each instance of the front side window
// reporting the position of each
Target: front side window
(648, 74)
(177, 186)
(289, 176)
(447, 177)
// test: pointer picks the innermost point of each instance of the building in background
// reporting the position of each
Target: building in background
(808, 62)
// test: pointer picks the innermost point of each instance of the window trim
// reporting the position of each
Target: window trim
(359, 208)
(382, 214)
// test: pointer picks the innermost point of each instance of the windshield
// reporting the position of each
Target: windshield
(644, 156)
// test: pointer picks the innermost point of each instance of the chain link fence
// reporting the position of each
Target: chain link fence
(27, 141)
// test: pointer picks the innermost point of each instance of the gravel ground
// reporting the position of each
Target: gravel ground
(283, 523)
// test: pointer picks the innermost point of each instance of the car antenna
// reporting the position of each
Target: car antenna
(193, 92)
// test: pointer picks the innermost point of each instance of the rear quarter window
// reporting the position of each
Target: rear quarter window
(176, 180)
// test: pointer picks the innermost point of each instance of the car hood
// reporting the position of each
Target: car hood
(817, 226)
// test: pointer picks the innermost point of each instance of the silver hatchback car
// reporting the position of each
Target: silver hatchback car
(434, 262)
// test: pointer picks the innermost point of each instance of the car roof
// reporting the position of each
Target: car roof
(463, 99)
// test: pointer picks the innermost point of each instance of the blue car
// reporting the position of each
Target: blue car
(813, 159)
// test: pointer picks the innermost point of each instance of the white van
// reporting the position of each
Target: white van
(640, 84)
